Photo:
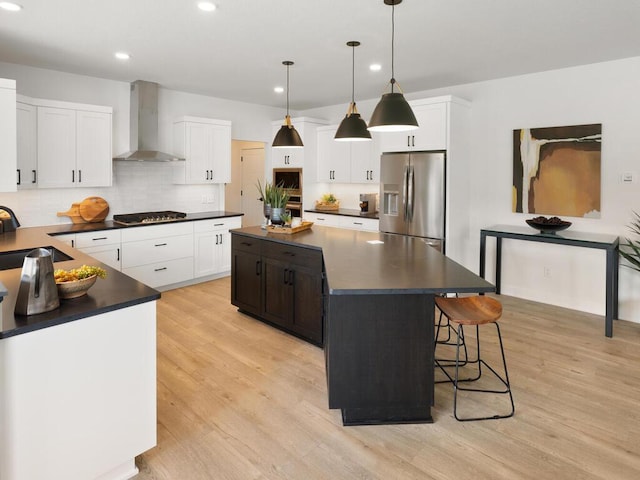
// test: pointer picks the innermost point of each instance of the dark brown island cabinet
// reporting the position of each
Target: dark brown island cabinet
(367, 298)
(279, 283)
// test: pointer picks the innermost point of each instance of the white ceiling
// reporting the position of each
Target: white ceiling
(236, 51)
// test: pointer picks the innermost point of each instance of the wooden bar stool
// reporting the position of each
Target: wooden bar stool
(473, 311)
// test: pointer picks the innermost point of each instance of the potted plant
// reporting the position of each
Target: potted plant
(632, 253)
(278, 200)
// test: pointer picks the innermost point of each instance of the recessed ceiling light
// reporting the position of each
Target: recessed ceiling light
(206, 6)
(122, 56)
(375, 67)
(278, 89)
(11, 7)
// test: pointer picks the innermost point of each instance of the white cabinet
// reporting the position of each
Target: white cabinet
(158, 255)
(343, 221)
(8, 137)
(212, 245)
(67, 238)
(27, 150)
(346, 162)
(103, 245)
(333, 157)
(74, 145)
(206, 146)
(298, 157)
(432, 134)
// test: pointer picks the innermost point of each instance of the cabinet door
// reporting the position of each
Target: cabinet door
(212, 253)
(287, 157)
(107, 254)
(93, 149)
(198, 145)
(333, 158)
(277, 306)
(27, 140)
(8, 162)
(307, 303)
(56, 147)
(221, 154)
(432, 134)
(246, 277)
(365, 162)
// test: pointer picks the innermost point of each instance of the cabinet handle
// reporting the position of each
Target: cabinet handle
(159, 269)
(207, 172)
(285, 275)
(258, 267)
(357, 223)
(371, 177)
(19, 180)
(291, 277)
(79, 176)
(218, 224)
(289, 254)
(248, 244)
(34, 176)
(99, 238)
(73, 176)
(118, 254)
(73, 243)
(160, 244)
(221, 237)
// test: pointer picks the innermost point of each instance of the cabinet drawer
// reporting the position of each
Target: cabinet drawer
(294, 255)
(369, 224)
(162, 273)
(216, 224)
(246, 244)
(93, 239)
(157, 250)
(133, 234)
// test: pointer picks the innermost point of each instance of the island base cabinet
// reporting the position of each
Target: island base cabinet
(376, 347)
(78, 400)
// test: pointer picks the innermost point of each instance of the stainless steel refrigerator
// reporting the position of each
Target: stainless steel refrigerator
(412, 195)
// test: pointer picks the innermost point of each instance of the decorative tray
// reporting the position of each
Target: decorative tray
(327, 206)
(289, 230)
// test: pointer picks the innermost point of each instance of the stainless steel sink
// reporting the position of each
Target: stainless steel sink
(15, 258)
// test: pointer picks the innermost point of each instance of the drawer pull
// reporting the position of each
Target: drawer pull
(248, 244)
(289, 254)
(159, 269)
(357, 223)
(99, 238)
(160, 244)
(285, 276)
(218, 224)
(257, 267)
(118, 256)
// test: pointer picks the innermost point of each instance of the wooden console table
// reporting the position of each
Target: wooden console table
(606, 242)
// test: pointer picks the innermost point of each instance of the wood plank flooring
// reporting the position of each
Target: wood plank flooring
(238, 399)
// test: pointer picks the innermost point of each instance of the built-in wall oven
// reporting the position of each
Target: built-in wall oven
(291, 179)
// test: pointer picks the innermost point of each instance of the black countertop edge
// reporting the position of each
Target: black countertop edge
(38, 324)
(346, 212)
(64, 228)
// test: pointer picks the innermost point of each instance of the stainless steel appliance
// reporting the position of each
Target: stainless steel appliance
(291, 179)
(37, 292)
(412, 195)
(145, 218)
(368, 203)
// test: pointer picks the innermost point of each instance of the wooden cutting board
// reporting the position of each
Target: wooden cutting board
(94, 209)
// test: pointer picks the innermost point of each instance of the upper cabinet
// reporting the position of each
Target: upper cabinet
(297, 157)
(346, 162)
(8, 135)
(27, 146)
(432, 134)
(206, 146)
(73, 145)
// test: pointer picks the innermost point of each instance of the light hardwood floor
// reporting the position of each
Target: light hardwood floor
(238, 399)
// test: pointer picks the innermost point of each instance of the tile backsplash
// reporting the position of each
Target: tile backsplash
(137, 187)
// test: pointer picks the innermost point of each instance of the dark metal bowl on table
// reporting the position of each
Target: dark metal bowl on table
(548, 225)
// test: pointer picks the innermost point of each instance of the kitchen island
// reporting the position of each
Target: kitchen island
(376, 318)
(77, 384)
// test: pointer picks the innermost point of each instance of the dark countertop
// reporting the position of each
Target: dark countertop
(347, 212)
(399, 265)
(110, 225)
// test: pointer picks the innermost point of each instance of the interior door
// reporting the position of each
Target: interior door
(252, 170)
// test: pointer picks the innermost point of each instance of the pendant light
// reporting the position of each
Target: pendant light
(287, 136)
(352, 128)
(393, 113)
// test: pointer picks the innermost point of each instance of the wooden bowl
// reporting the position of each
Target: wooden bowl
(75, 288)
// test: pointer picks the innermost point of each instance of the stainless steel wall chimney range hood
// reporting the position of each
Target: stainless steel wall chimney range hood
(143, 126)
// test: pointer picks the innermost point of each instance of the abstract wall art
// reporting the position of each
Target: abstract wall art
(556, 170)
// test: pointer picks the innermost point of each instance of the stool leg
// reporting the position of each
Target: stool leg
(449, 327)
(505, 381)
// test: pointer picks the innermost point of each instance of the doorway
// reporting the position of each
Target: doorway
(241, 195)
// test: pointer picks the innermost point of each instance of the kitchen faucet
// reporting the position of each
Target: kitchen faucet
(9, 225)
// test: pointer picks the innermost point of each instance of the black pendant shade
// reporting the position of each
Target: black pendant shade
(287, 136)
(393, 113)
(352, 128)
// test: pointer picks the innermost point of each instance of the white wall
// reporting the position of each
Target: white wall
(136, 186)
(604, 93)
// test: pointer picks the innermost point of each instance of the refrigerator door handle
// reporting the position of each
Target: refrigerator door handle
(410, 194)
(405, 185)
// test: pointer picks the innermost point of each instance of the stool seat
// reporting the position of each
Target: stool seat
(476, 310)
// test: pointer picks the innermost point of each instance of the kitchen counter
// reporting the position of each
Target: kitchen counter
(347, 212)
(112, 293)
(378, 312)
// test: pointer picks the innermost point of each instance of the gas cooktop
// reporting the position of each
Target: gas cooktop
(145, 218)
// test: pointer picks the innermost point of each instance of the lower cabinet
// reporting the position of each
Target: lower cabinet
(212, 245)
(279, 283)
